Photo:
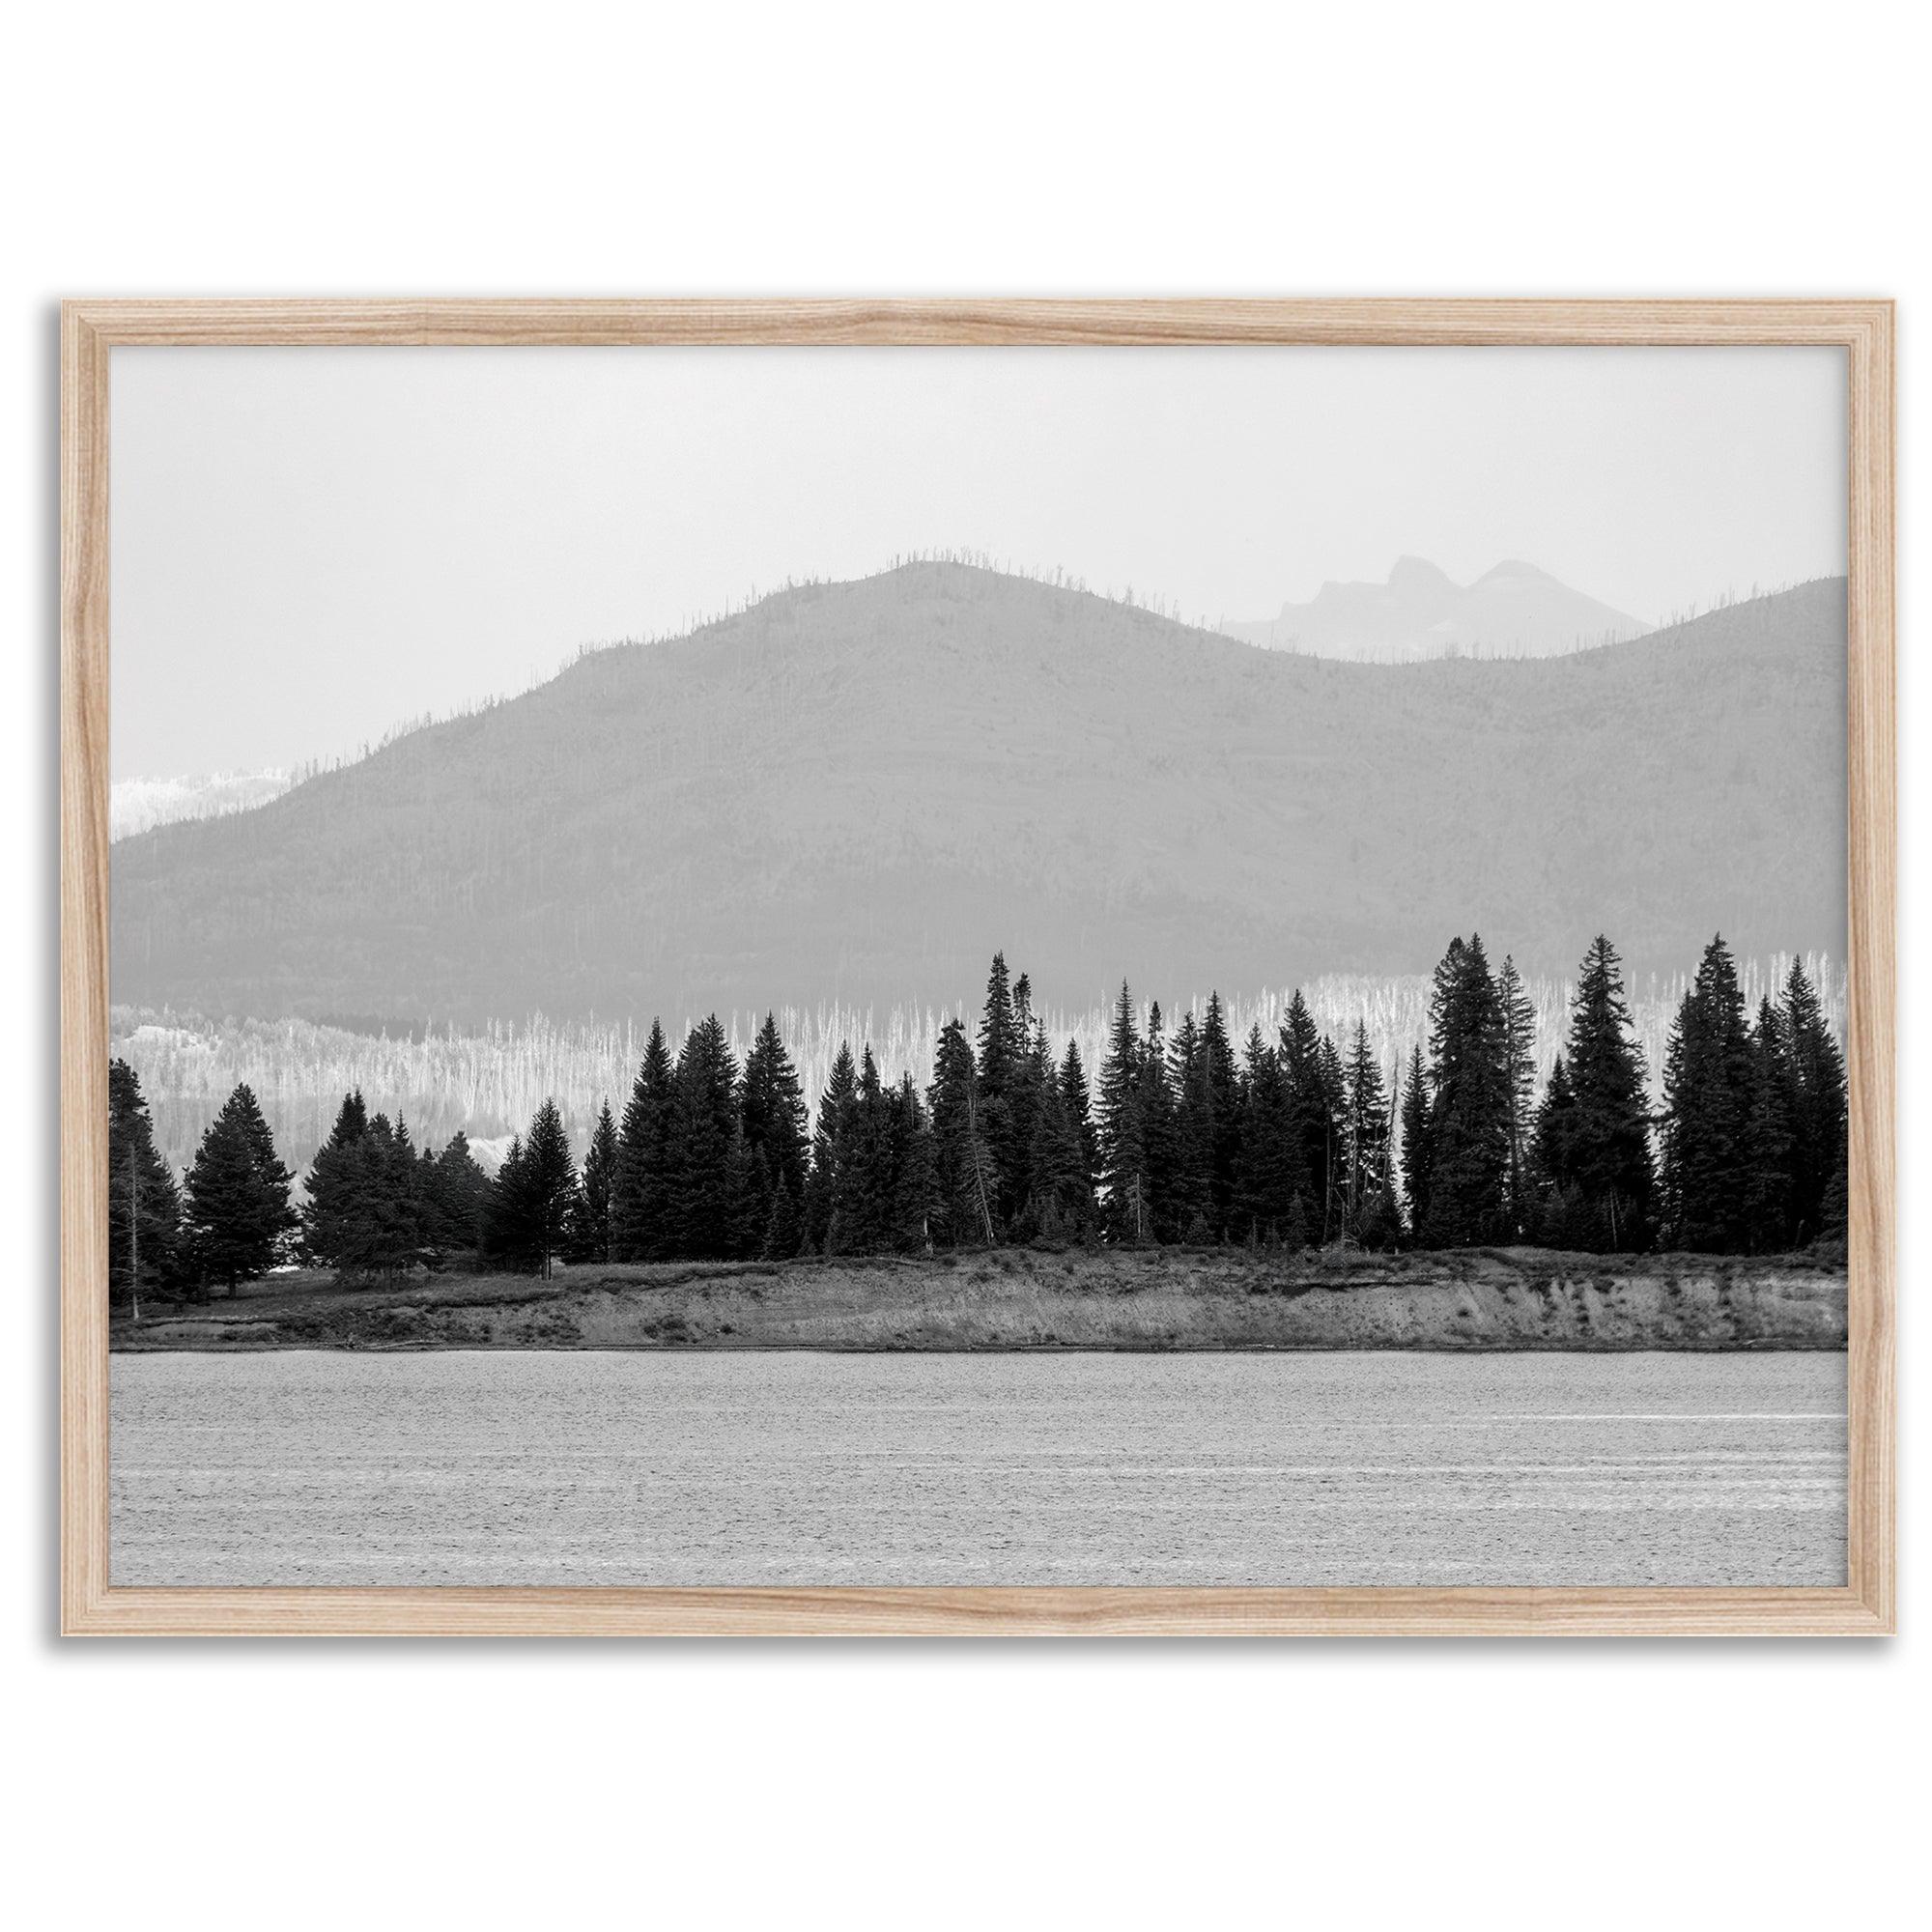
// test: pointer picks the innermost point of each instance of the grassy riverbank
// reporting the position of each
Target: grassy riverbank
(1020, 1298)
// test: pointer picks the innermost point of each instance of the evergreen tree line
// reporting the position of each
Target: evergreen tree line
(1185, 1138)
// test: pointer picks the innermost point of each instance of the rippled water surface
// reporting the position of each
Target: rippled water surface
(799, 1468)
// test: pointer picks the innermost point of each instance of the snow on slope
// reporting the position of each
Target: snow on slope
(139, 804)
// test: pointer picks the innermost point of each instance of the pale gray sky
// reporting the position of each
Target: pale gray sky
(309, 545)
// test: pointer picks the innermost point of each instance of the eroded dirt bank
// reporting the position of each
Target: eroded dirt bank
(1013, 1298)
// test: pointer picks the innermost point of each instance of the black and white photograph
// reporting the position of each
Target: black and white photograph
(940, 966)
(969, 968)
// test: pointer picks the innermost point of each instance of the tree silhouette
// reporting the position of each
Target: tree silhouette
(238, 1216)
(144, 1205)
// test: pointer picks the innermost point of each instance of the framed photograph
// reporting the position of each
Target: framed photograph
(977, 966)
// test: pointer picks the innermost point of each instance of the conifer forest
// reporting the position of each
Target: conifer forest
(1180, 1135)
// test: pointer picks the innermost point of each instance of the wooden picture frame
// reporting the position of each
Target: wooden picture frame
(93, 329)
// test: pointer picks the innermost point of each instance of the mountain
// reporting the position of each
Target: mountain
(858, 790)
(139, 804)
(1516, 611)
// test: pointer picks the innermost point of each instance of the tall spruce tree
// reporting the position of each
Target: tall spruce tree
(1268, 1176)
(1224, 1106)
(1312, 1109)
(909, 1178)
(705, 1157)
(238, 1211)
(548, 1186)
(837, 1109)
(1064, 1204)
(999, 1055)
(1818, 1124)
(1330, 1100)
(1772, 1135)
(1710, 1076)
(641, 1216)
(858, 1220)
(144, 1205)
(1594, 1148)
(1365, 1128)
(1469, 1085)
(1077, 1096)
(1562, 1222)
(964, 1183)
(1127, 1211)
(332, 1183)
(1415, 1112)
(1187, 1199)
(460, 1193)
(1160, 1127)
(506, 1215)
(590, 1237)
(383, 1221)
(1517, 1013)
(775, 1123)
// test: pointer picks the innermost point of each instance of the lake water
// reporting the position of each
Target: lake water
(498, 1468)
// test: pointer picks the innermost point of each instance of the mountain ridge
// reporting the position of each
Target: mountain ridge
(857, 791)
(1514, 609)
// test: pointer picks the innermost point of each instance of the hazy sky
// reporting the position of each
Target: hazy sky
(310, 545)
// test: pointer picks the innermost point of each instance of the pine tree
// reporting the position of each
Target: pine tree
(705, 1212)
(1600, 1135)
(998, 1056)
(1128, 1212)
(1269, 1175)
(1710, 1075)
(1330, 1099)
(383, 1221)
(837, 1112)
(1561, 1221)
(1187, 1200)
(640, 1222)
(1224, 1104)
(1378, 1225)
(964, 1183)
(1060, 1205)
(332, 1183)
(1415, 1111)
(1035, 1094)
(1769, 1215)
(774, 1124)
(238, 1211)
(460, 1193)
(785, 1230)
(1818, 1124)
(910, 1173)
(1310, 1110)
(549, 1193)
(1160, 1127)
(1364, 1132)
(1517, 1013)
(144, 1206)
(506, 1216)
(1469, 1081)
(590, 1232)
(1080, 1111)
(863, 1177)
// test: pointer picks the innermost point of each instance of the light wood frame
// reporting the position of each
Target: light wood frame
(91, 330)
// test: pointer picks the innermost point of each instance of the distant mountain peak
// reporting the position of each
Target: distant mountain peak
(1417, 572)
(1514, 609)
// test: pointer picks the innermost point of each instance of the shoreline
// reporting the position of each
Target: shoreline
(1009, 1302)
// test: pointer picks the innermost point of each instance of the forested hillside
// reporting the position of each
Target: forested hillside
(838, 793)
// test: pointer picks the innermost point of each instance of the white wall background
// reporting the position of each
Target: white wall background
(403, 149)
